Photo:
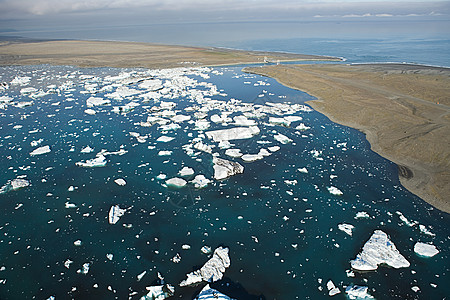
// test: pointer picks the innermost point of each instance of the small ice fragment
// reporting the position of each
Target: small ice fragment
(347, 228)
(41, 150)
(77, 243)
(161, 176)
(334, 191)
(362, 215)
(206, 249)
(208, 293)
(425, 230)
(90, 111)
(233, 152)
(177, 258)
(71, 188)
(99, 161)
(120, 181)
(164, 139)
(415, 288)
(186, 171)
(159, 292)
(426, 250)
(36, 143)
(185, 247)
(115, 212)
(332, 289)
(274, 148)
(70, 205)
(379, 249)
(87, 149)
(67, 263)
(139, 277)
(176, 182)
(303, 170)
(109, 256)
(85, 269)
(251, 157)
(164, 153)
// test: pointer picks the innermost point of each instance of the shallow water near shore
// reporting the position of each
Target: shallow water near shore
(279, 222)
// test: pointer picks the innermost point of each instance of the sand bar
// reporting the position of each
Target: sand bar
(404, 110)
(129, 55)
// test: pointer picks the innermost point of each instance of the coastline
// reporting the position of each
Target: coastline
(404, 110)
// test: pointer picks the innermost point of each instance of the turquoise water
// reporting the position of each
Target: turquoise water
(281, 225)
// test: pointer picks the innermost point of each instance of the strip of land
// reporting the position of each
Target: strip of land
(404, 110)
(132, 55)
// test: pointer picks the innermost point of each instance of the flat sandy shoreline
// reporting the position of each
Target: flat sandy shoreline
(404, 110)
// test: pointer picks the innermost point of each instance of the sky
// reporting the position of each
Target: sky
(24, 16)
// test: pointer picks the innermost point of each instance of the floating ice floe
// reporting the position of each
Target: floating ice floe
(362, 215)
(14, 184)
(159, 292)
(115, 212)
(347, 228)
(332, 289)
(335, 191)
(176, 182)
(207, 293)
(41, 150)
(87, 149)
(203, 147)
(21, 80)
(96, 101)
(90, 111)
(186, 171)
(84, 269)
(164, 139)
(236, 133)
(224, 168)
(120, 181)
(164, 153)
(376, 251)
(211, 271)
(426, 250)
(357, 292)
(251, 157)
(99, 161)
(233, 152)
(303, 170)
(282, 138)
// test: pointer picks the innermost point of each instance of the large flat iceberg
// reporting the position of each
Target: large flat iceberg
(236, 133)
(378, 250)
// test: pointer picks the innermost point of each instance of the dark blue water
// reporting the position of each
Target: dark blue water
(279, 224)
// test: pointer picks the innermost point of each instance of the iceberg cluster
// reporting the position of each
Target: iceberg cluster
(376, 251)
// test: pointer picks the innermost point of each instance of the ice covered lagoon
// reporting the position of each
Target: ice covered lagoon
(101, 191)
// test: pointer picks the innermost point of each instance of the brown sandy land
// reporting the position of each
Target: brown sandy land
(403, 110)
(126, 54)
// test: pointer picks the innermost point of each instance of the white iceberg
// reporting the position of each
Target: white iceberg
(90, 111)
(120, 181)
(207, 293)
(41, 150)
(303, 170)
(335, 191)
(165, 139)
(14, 184)
(236, 133)
(200, 181)
(282, 138)
(233, 152)
(211, 271)
(115, 212)
(347, 228)
(176, 182)
(96, 101)
(332, 289)
(376, 251)
(87, 149)
(251, 157)
(224, 168)
(159, 292)
(85, 269)
(99, 161)
(356, 292)
(186, 171)
(426, 250)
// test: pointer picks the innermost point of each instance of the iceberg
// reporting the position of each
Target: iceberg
(376, 251)
(236, 133)
(207, 293)
(334, 191)
(96, 101)
(332, 289)
(186, 171)
(211, 271)
(99, 161)
(120, 181)
(282, 138)
(14, 184)
(176, 182)
(356, 292)
(200, 181)
(347, 228)
(159, 292)
(41, 150)
(165, 139)
(251, 157)
(90, 111)
(426, 250)
(87, 149)
(224, 168)
(85, 269)
(233, 152)
(115, 212)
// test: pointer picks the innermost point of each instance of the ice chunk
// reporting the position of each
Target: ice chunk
(347, 228)
(177, 258)
(362, 215)
(203, 147)
(165, 153)
(77, 243)
(335, 191)
(200, 181)
(115, 212)
(332, 289)
(243, 121)
(176, 182)
(67, 263)
(21, 80)
(251, 157)
(110, 256)
(96, 101)
(90, 111)
(356, 292)
(206, 249)
(208, 293)
(224, 168)
(159, 292)
(282, 138)
(274, 148)
(302, 127)
(378, 250)
(426, 250)
(84, 269)
(99, 161)
(233, 152)
(186, 171)
(36, 143)
(303, 170)
(186, 247)
(211, 271)
(14, 184)
(165, 139)
(120, 181)
(40, 150)
(236, 133)
(87, 149)
(70, 205)
(139, 277)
